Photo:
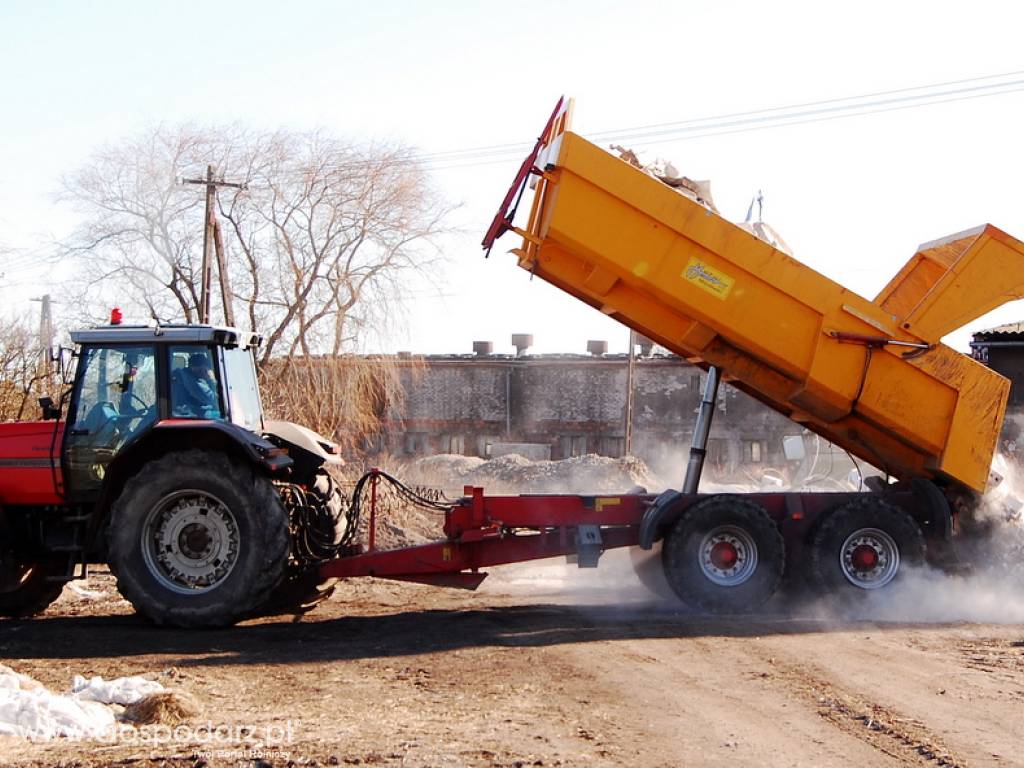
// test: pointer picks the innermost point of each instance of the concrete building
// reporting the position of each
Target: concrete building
(558, 406)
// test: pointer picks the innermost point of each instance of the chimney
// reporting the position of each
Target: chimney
(522, 342)
(483, 348)
(646, 345)
(597, 347)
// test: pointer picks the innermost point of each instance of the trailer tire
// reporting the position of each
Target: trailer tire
(647, 566)
(26, 589)
(864, 546)
(724, 555)
(197, 539)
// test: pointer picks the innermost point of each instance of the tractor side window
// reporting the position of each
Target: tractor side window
(195, 392)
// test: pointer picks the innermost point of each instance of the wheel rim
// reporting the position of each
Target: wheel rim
(869, 558)
(728, 556)
(190, 542)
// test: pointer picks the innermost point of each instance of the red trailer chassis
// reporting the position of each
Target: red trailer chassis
(484, 531)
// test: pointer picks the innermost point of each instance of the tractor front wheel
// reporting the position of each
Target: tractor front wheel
(197, 539)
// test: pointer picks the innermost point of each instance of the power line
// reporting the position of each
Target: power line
(790, 114)
(803, 105)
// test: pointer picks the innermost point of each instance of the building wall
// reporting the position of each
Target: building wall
(576, 404)
(1009, 361)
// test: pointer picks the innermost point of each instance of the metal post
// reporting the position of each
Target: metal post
(374, 479)
(222, 272)
(699, 447)
(211, 238)
(630, 396)
(207, 268)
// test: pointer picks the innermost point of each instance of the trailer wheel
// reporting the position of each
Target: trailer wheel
(25, 588)
(724, 555)
(647, 566)
(197, 539)
(864, 546)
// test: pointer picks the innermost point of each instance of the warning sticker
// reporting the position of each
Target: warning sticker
(708, 278)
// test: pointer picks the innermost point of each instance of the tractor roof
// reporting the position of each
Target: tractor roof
(166, 334)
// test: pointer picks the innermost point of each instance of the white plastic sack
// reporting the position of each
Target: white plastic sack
(40, 714)
(123, 690)
(29, 710)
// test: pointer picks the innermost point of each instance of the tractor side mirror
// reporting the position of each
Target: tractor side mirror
(50, 411)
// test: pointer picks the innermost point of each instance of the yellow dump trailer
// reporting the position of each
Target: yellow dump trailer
(870, 376)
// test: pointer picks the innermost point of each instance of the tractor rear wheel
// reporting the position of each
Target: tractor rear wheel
(724, 555)
(864, 546)
(197, 539)
(25, 588)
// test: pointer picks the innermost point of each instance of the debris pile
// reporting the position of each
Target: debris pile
(513, 473)
(444, 476)
(667, 173)
(700, 191)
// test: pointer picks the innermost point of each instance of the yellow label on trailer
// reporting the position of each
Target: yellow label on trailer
(707, 278)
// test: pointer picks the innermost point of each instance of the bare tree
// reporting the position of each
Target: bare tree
(319, 244)
(137, 242)
(327, 232)
(24, 372)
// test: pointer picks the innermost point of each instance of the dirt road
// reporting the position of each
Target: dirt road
(527, 674)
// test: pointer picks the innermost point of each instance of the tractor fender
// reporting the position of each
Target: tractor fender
(182, 434)
(663, 510)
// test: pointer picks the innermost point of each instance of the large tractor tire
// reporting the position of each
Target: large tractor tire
(303, 589)
(724, 555)
(197, 539)
(864, 546)
(26, 588)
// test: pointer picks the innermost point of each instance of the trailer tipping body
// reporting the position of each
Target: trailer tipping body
(870, 376)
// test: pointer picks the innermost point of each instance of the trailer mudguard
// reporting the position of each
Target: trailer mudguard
(655, 516)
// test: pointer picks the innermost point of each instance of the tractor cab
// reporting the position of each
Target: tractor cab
(130, 379)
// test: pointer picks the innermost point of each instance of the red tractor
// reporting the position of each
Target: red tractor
(165, 469)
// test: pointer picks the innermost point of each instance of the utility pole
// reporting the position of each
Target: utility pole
(630, 386)
(211, 238)
(45, 328)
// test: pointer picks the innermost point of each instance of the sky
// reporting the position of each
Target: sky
(853, 197)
